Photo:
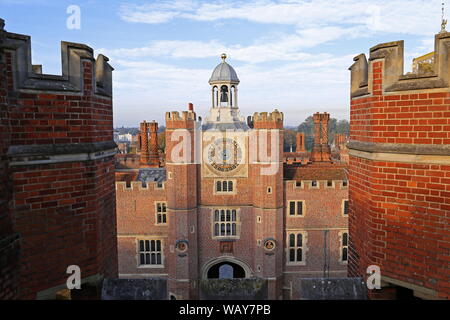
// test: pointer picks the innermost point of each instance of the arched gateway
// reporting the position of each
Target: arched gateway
(226, 268)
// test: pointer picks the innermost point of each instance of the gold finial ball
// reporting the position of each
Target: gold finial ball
(223, 56)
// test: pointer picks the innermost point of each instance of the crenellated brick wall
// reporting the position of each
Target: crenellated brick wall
(60, 157)
(400, 171)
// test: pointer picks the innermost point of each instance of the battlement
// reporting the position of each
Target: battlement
(139, 185)
(30, 77)
(185, 116)
(365, 78)
(275, 116)
(183, 120)
(268, 120)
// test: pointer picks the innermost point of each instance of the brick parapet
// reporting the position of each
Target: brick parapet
(60, 164)
(399, 169)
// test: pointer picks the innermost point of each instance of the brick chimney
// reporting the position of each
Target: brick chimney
(321, 150)
(191, 107)
(153, 147)
(316, 153)
(149, 149)
(143, 143)
(326, 150)
(300, 142)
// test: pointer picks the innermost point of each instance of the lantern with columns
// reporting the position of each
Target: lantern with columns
(224, 83)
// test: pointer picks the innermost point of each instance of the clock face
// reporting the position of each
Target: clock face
(224, 155)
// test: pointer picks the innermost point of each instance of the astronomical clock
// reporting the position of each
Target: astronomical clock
(225, 156)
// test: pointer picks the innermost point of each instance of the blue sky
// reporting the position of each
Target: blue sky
(292, 55)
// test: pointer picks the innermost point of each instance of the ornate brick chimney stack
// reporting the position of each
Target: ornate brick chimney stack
(300, 142)
(190, 107)
(149, 149)
(143, 143)
(321, 150)
(326, 150)
(153, 147)
(316, 154)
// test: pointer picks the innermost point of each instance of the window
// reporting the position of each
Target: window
(296, 247)
(224, 186)
(225, 223)
(345, 207)
(296, 207)
(159, 185)
(161, 213)
(344, 183)
(344, 246)
(314, 184)
(329, 183)
(269, 190)
(298, 184)
(150, 252)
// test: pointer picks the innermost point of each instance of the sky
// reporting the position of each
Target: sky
(292, 55)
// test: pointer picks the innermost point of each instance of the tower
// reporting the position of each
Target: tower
(182, 200)
(399, 169)
(267, 179)
(58, 161)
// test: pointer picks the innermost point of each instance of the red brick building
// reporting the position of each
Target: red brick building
(57, 152)
(225, 205)
(399, 172)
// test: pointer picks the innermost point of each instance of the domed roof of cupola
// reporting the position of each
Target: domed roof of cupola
(224, 73)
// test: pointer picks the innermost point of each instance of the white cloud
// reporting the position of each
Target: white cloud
(146, 89)
(281, 47)
(396, 16)
(304, 79)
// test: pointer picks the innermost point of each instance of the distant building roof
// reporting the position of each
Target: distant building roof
(315, 171)
(152, 174)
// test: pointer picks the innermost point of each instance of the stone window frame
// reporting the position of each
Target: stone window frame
(343, 207)
(269, 190)
(333, 184)
(296, 215)
(163, 185)
(237, 223)
(163, 213)
(138, 253)
(234, 181)
(314, 187)
(342, 184)
(342, 246)
(304, 247)
(302, 184)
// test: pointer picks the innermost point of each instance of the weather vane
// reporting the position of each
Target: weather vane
(444, 21)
